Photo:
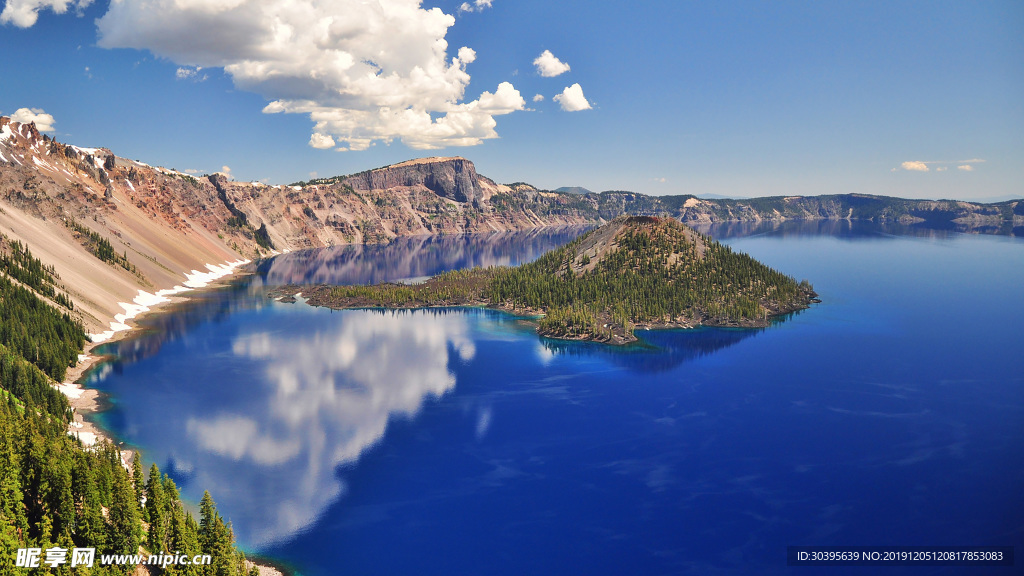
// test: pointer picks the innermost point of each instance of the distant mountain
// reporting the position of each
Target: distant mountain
(721, 197)
(998, 199)
(573, 190)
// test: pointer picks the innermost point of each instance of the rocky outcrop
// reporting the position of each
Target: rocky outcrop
(452, 178)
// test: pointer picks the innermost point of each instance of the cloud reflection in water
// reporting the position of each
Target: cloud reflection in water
(328, 397)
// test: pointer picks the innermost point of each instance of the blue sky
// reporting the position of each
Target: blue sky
(914, 99)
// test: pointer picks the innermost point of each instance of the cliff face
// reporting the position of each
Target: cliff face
(452, 178)
(64, 201)
(109, 226)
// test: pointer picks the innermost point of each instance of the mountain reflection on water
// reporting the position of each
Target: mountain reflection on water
(403, 258)
(413, 257)
(658, 350)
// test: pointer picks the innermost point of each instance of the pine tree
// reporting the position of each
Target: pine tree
(155, 506)
(123, 528)
(138, 482)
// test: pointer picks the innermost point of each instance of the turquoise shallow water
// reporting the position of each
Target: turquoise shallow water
(458, 442)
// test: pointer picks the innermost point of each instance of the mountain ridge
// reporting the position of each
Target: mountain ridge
(119, 230)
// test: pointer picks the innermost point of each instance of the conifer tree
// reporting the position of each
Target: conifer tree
(138, 482)
(155, 506)
(123, 528)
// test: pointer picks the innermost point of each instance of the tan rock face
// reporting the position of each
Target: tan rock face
(452, 178)
(58, 199)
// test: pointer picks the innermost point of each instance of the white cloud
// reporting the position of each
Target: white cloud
(463, 124)
(225, 171)
(188, 73)
(24, 13)
(44, 122)
(942, 165)
(915, 166)
(549, 66)
(572, 100)
(321, 141)
(362, 71)
(477, 6)
(538, 97)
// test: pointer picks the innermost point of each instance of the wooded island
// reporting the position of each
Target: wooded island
(635, 271)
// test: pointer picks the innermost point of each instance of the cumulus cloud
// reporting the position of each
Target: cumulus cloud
(572, 100)
(915, 166)
(941, 169)
(44, 122)
(24, 13)
(321, 141)
(189, 73)
(362, 71)
(477, 6)
(549, 66)
(538, 97)
(965, 168)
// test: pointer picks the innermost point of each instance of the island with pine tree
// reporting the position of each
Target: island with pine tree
(633, 272)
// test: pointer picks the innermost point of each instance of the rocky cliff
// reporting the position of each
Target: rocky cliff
(113, 227)
(452, 178)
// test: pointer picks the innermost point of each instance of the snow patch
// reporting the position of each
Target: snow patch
(91, 151)
(199, 279)
(129, 183)
(144, 300)
(6, 133)
(87, 438)
(42, 163)
(70, 390)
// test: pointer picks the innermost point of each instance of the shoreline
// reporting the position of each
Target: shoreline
(84, 401)
(291, 293)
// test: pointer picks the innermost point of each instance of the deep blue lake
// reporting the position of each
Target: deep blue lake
(458, 442)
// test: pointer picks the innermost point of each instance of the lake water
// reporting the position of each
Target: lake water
(458, 442)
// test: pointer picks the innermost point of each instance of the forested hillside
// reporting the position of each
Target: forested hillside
(56, 493)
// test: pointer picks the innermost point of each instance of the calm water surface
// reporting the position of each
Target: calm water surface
(458, 442)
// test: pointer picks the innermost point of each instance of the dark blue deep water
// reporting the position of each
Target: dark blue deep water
(458, 442)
